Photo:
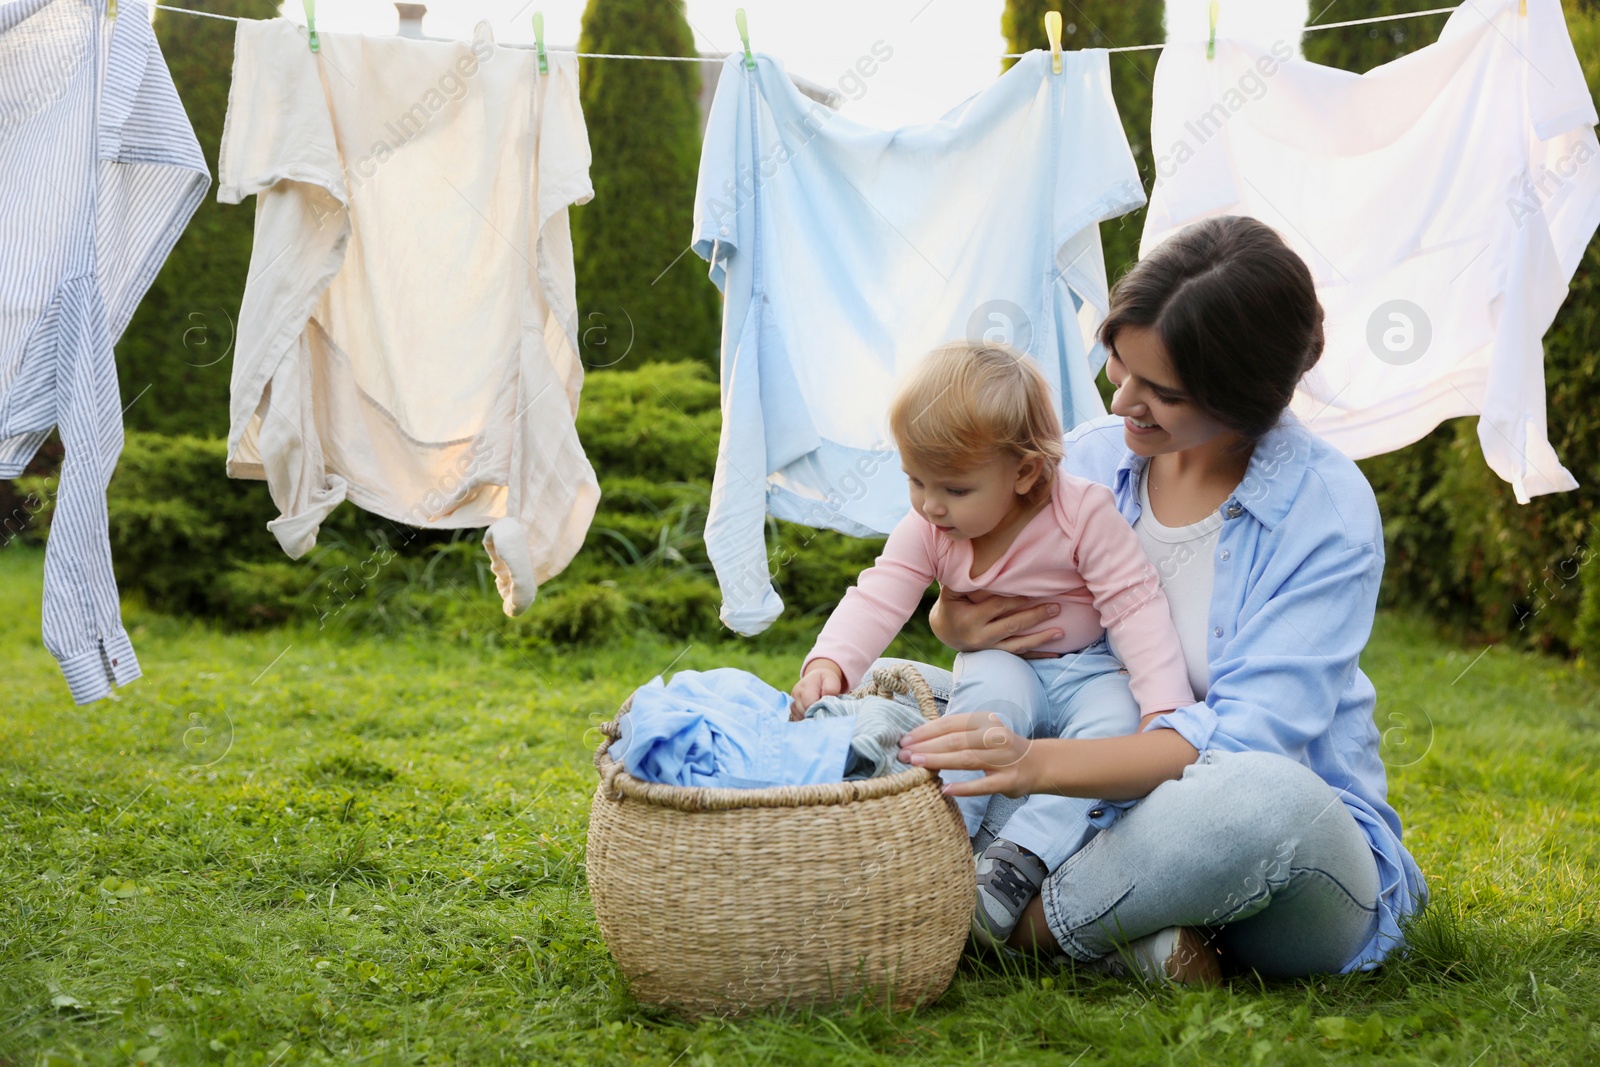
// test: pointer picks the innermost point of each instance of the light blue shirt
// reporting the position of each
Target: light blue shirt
(101, 174)
(847, 252)
(727, 728)
(1298, 562)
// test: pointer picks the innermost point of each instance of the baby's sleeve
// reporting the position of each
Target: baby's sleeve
(1127, 594)
(878, 605)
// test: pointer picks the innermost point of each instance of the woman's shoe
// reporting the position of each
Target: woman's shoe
(1181, 954)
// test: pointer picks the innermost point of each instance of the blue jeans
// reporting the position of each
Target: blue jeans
(1082, 694)
(1251, 847)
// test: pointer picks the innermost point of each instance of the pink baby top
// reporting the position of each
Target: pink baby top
(1078, 551)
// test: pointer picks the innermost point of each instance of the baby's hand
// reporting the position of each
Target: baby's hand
(824, 678)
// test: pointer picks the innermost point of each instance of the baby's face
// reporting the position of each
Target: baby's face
(965, 504)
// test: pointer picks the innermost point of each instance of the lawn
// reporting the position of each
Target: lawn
(289, 847)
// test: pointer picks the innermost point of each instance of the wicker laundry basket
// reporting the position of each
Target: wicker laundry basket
(729, 900)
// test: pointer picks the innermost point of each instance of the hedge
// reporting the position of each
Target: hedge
(187, 539)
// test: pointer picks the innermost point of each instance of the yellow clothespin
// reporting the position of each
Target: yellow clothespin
(744, 35)
(1052, 30)
(538, 40)
(1211, 43)
(311, 24)
(111, 9)
(1522, 8)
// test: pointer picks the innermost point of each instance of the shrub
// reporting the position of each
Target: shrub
(580, 614)
(659, 422)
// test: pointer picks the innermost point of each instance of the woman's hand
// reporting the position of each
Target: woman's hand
(1002, 622)
(823, 678)
(976, 740)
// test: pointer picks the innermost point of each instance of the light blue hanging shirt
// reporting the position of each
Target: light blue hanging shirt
(847, 252)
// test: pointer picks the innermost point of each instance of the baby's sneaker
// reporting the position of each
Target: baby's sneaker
(1008, 877)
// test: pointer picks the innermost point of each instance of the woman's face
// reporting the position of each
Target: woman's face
(1157, 415)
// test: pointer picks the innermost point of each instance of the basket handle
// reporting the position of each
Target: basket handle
(904, 679)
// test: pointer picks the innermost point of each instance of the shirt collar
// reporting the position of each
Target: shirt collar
(1270, 483)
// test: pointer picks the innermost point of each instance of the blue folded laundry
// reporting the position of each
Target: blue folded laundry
(726, 727)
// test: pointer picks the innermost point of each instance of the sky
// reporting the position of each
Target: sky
(944, 51)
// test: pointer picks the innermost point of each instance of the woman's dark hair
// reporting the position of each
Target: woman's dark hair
(1237, 311)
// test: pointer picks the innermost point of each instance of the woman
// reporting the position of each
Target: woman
(1253, 823)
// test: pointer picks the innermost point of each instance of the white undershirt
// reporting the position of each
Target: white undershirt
(1185, 558)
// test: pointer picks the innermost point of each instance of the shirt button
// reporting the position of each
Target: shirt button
(1234, 511)
(1224, 555)
(724, 231)
(1217, 632)
(1097, 813)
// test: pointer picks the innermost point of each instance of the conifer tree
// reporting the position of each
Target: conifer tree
(178, 349)
(642, 295)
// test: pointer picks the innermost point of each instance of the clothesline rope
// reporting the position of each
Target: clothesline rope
(1003, 55)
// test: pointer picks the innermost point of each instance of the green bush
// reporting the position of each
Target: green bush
(177, 521)
(189, 540)
(580, 614)
(656, 423)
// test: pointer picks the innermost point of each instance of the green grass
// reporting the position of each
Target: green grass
(386, 866)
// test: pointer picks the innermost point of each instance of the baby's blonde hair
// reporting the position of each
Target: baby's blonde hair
(968, 402)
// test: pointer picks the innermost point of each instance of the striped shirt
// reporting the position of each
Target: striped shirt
(102, 173)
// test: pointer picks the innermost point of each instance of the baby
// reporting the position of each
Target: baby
(994, 513)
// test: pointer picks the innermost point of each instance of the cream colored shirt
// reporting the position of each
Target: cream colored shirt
(408, 334)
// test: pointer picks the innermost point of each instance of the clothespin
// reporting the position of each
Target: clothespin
(1211, 43)
(538, 40)
(1522, 8)
(1052, 30)
(311, 24)
(744, 35)
(111, 9)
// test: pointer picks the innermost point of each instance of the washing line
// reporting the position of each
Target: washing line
(1003, 55)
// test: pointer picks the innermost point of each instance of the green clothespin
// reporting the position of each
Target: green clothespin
(1211, 44)
(744, 35)
(538, 40)
(1052, 30)
(311, 24)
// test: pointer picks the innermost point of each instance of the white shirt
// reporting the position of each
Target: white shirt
(847, 252)
(1442, 202)
(1184, 559)
(408, 335)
